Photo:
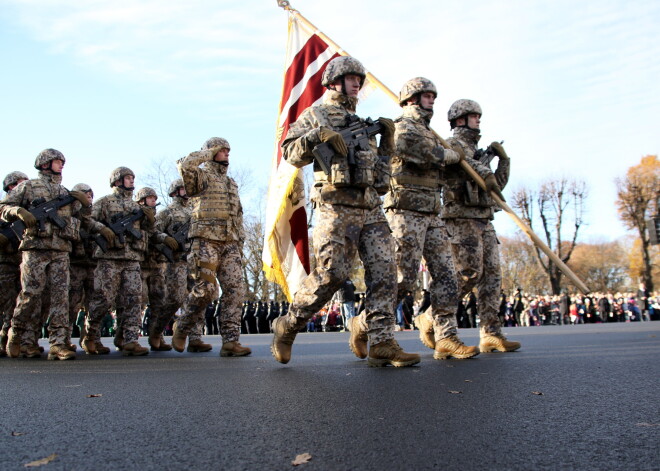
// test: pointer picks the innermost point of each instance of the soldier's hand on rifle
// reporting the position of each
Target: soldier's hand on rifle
(491, 185)
(334, 139)
(82, 197)
(3, 241)
(27, 217)
(499, 150)
(107, 234)
(171, 243)
(388, 127)
(149, 214)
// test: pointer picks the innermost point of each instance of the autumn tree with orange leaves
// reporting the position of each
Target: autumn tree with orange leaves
(638, 199)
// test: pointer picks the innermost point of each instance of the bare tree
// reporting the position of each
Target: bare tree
(160, 173)
(639, 199)
(560, 207)
(519, 266)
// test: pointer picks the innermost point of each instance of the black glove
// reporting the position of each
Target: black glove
(171, 243)
(334, 139)
(82, 197)
(491, 185)
(499, 150)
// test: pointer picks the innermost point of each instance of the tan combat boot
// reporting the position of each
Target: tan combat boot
(285, 330)
(61, 352)
(93, 346)
(390, 353)
(14, 342)
(455, 348)
(234, 349)
(497, 342)
(31, 351)
(164, 346)
(178, 339)
(134, 349)
(119, 339)
(3, 343)
(358, 339)
(424, 322)
(198, 346)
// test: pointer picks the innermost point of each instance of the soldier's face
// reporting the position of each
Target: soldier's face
(222, 156)
(182, 192)
(56, 166)
(474, 120)
(129, 181)
(11, 187)
(352, 84)
(151, 201)
(90, 197)
(427, 99)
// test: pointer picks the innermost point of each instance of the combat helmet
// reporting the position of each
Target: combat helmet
(143, 192)
(174, 187)
(462, 108)
(119, 173)
(341, 66)
(12, 179)
(417, 85)
(84, 187)
(216, 142)
(47, 156)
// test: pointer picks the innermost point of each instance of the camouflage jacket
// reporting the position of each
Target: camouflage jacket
(7, 253)
(48, 186)
(216, 210)
(462, 198)
(83, 249)
(415, 179)
(358, 186)
(120, 203)
(170, 219)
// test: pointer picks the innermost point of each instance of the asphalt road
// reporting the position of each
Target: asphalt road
(574, 397)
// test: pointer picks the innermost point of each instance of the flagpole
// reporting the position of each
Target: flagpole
(285, 4)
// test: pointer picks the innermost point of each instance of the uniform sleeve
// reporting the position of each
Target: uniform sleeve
(301, 139)
(18, 197)
(413, 147)
(193, 177)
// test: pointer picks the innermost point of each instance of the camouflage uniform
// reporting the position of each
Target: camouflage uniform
(467, 211)
(216, 231)
(350, 221)
(45, 256)
(117, 278)
(412, 208)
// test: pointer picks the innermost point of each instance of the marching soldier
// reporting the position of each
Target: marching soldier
(467, 212)
(216, 230)
(412, 207)
(350, 221)
(45, 255)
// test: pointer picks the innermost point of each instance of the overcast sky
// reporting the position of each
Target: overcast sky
(570, 86)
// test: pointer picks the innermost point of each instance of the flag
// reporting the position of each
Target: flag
(286, 246)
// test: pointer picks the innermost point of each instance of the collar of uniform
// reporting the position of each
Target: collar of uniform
(179, 202)
(216, 168)
(50, 177)
(417, 113)
(127, 194)
(333, 97)
(469, 136)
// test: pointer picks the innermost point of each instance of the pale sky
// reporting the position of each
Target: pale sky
(570, 86)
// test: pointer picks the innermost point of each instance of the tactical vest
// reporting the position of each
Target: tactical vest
(216, 211)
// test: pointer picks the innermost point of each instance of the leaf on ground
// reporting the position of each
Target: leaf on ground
(94, 395)
(41, 462)
(468, 380)
(455, 392)
(538, 393)
(646, 424)
(301, 459)
(17, 434)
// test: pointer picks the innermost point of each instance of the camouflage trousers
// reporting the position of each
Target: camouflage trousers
(10, 281)
(81, 288)
(422, 234)
(341, 233)
(175, 280)
(212, 262)
(117, 286)
(153, 287)
(44, 292)
(476, 257)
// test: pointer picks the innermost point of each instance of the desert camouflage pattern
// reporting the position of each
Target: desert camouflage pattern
(177, 285)
(120, 202)
(119, 173)
(48, 155)
(153, 286)
(12, 178)
(81, 289)
(10, 280)
(340, 66)
(197, 331)
(415, 86)
(462, 108)
(210, 262)
(342, 233)
(216, 208)
(44, 279)
(216, 142)
(170, 219)
(462, 198)
(304, 135)
(117, 286)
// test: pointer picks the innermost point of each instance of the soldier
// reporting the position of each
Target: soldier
(117, 279)
(467, 212)
(216, 230)
(45, 255)
(82, 265)
(412, 207)
(350, 220)
(10, 275)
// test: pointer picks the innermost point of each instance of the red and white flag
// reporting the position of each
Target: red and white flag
(286, 245)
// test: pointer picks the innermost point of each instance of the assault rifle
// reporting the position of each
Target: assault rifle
(180, 234)
(356, 136)
(121, 224)
(485, 156)
(43, 211)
